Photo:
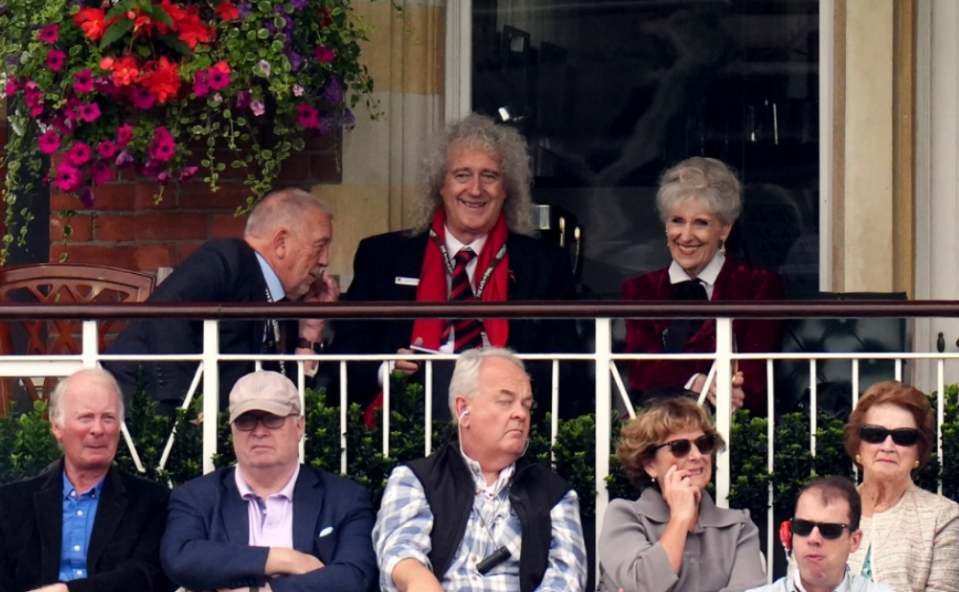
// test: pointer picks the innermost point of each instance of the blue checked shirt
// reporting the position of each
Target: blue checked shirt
(404, 523)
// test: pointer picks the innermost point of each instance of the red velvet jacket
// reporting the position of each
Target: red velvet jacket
(735, 282)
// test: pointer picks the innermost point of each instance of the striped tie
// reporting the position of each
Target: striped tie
(468, 332)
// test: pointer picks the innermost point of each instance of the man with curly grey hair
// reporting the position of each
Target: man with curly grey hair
(471, 240)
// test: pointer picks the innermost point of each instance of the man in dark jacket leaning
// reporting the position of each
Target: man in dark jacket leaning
(82, 525)
(476, 514)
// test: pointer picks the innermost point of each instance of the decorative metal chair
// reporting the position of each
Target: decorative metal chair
(53, 284)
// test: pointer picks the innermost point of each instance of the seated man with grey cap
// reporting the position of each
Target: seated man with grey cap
(269, 523)
(477, 514)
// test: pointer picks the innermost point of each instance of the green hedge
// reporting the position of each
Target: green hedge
(28, 446)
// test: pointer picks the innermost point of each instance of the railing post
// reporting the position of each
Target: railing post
(91, 344)
(211, 392)
(604, 419)
(724, 408)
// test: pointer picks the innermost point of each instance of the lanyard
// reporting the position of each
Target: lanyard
(500, 255)
(276, 334)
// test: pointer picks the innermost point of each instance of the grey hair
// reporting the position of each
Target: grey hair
(505, 144)
(283, 208)
(706, 179)
(466, 374)
(96, 375)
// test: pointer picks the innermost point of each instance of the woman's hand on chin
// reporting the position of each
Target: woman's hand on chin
(681, 496)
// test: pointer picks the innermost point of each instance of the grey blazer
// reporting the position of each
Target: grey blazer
(721, 555)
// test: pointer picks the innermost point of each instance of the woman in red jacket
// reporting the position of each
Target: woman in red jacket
(699, 200)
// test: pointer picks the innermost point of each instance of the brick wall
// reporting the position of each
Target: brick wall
(128, 228)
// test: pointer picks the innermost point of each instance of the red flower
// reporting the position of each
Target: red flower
(50, 33)
(107, 149)
(176, 13)
(91, 20)
(89, 112)
(49, 142)
(68, 178)
(164, 80)
(55, 59)
(325, 54)
(227, 11)
(124, 134)
(221, 66)
(101, 173)
(79, 154)
(125, 71)
(84, 83)
(309, 117)
(327, 21)
(193, 31)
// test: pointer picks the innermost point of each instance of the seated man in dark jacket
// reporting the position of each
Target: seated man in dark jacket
(481, 493)
(269, 523)
(83, 526)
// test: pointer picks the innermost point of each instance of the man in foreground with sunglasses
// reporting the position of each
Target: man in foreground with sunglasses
(235, 530)
(823, 533)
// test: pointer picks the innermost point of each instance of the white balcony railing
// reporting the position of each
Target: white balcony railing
(609, 386)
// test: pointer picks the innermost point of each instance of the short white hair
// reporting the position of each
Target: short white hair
(286, 208)
(466, 374)
(93, 374)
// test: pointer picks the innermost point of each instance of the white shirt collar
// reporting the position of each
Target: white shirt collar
(708, 275)
(273, 283)
(490, 491)
(453, 245)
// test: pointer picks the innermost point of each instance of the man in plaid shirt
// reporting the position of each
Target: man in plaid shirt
(477, 515)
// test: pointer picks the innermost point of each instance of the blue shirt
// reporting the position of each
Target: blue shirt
(79, 512)
(273, 283)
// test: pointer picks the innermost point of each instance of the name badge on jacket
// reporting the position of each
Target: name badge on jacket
(404, 281)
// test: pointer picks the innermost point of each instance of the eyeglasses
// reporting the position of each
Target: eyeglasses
(680, 448)
(247, 422)
(878, 434)
(829, 530)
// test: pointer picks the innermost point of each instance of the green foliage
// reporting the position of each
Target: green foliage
(27, 446)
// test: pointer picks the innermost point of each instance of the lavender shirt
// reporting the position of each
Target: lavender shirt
(271, 520)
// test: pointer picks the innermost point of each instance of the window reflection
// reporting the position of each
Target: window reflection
(609, 93)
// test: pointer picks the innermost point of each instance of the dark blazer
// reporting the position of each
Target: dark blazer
(538, 270)
(124, 554)
(224, 270)
(206, 544)
(735, 282)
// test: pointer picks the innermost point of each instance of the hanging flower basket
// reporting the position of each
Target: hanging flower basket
(165, 88)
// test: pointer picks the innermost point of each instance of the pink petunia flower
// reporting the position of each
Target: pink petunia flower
(124, 134)
(163, 147)
(11, 87)
(79, 154)
(258, 108)
(68, 178)
(325, 54)
(298, 90)
(89, 112)
(243, 99)
(84, 83)
(308, 116)
(200, 89)
(101, 173)
(87, 197)
(49, 142)
(143, 98)
(217, 78)
(123, 159)
(107, 149)
(188, 173)
(55, 59)
(49, 33)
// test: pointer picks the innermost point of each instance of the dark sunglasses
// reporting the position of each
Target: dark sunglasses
(829, 530)
(247, 422)
(877, 435)
(680, 448)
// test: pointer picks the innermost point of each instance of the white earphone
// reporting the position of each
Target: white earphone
(464, 413)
